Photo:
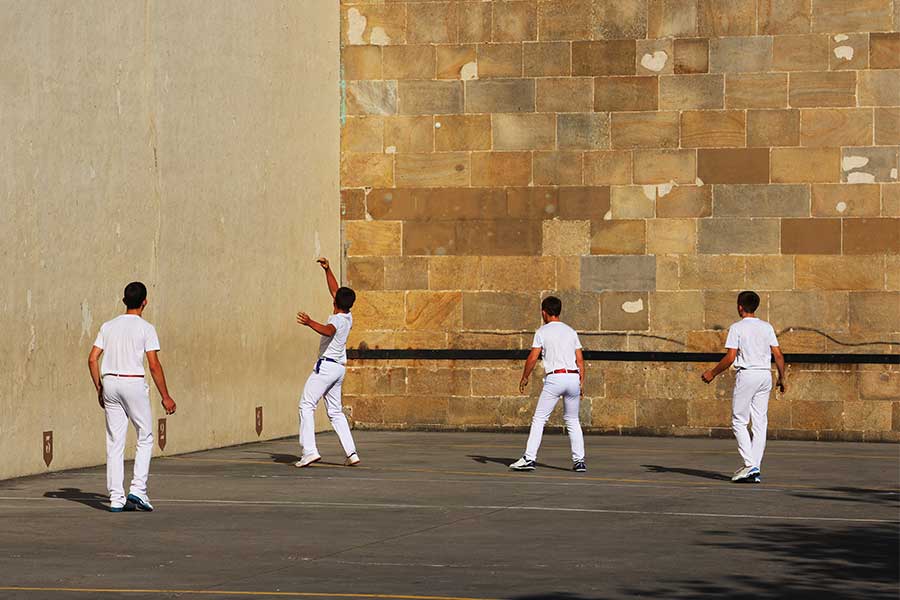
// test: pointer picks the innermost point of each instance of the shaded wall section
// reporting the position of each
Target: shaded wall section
(193, 146)
(643, 159)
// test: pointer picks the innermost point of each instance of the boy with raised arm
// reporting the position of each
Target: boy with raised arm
(124, 395)
(328, 374)
(750, 345)
(558, 345)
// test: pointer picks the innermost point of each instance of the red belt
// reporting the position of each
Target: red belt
(120, 375)
(562, 371)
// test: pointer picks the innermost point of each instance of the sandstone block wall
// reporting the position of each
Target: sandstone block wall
(643, 159)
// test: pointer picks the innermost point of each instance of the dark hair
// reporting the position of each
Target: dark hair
(135, 294)
(344, 298)
(749, 301)
(552, 306)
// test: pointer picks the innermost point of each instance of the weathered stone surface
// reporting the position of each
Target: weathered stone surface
(874, 312)
(499, 60)
(839, 200)
(887, 125)
(365, 273)
(711, 272)
(440, 311)
(868, 165)
(382, 24)
(851, 15)
(438, 381)
(676, 311)
(430, 238)
(432, 23)
(660, 412)
(501, 168)
(733, 165)
(738, 236)
(500, 96)
(818, 310)
(374, 381)
(720, 309)
(584, 202)
(582, 131)
(607, 167)
(603, 57)
(801, 52)
(671, 18)
(761, 201)
(618, 273)
(838, 273)
(532, 202)
(463, 132)
(685, 201)
(409, 62)
(691, 56)
(644, 130)
(835, 88)
(517, 273)
(709, 412)
(500, 311)
(890, 200)
(409, 134)
(879, 385)
(565, 94)
(353, 205)
(358, 170)
(624, 311)
(713, 128)
(475, 20)
(770, 272)
(625, 93)
(612, 412)
(751, 54)
(362, 134)
(816, 416)
(620, 20)
(783, 16)
(580, 310)
(773, 127)
(872, 236)
(378, 238)
(867, 416)
(379, 310)
(800, 165)
(451, 60)
(361, 62)
(884, 50)
(756, 90)
(618, 237)
(719, 18)
(371, 97)
(836, 127)
(454, 272)
(523, 131)
(502, 237)
(432, 170)
(849, 52)
(811, 236)
(667, 272)
(664, 166)
(547, 59)
(557, 168)
(671, 236)
(631, 202)
(430, 97)
(566, 238)
(406, 273)
(514, 21)
(654, 57)
(691, 91)
(824, 386)
(879, 88)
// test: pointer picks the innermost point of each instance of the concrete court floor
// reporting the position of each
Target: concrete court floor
(438, 514)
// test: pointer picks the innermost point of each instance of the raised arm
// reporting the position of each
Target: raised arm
(329, 276)
(779, 364)
(532, 359)
(94, 367)
(159, 378)
(326, 329)
(726, 362)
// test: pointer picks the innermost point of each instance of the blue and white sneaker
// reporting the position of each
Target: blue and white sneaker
(117, 508)
(741, 474)
(579, 467)
(140, 503)
(523, 464)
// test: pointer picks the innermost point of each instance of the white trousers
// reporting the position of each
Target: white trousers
(124, 399)
(568, 386)
(750, 404)
(326, 383)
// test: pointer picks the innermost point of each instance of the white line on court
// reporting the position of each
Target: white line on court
(386, 505)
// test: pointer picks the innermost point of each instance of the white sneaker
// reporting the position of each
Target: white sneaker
(741, 473)
(307, 460)
(523, 464)
(352, 460)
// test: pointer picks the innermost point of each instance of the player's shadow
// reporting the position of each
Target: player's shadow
(96, 501)
(508, 461)
(715, 476)
(854, 495)
(290, 459)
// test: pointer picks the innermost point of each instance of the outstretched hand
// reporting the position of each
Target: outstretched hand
(323, 262)
(303, 318)
(708, 376)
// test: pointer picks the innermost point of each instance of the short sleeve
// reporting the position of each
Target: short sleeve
(100, 342)
(731, 341)
(538, 341)
(340, 324)
(773, 339)
(577, 342)
(151, 340)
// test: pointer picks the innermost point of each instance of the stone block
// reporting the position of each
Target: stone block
(890, 200)
(879, 88)
(454, 272)
(678, 92)
(362, 134)
(475, 21)
(711, 272)
(738, 236)
(581, 311)
(409, 134)
(612, 412)
(625, 94)
(523, 131)
(667, 272)
(867, 416)
(770, 272)
(849, 52)
(805, 165)
(564, 19)
(532, 202)
(438, 381)
(620, 20)
(371, 97)
(437, 311)
(823, 386)
(618, 273)
(565, 94)
(365, 273)
(868, 165)
(437, 204)
(671, 236)
(379, 310)
(624, 311)
(818, 310)
(720, 309)
(503, 237)
(515, 21)
(500, 96)
(691, 56)
(887, 126)
(566, 238)
(811, 236)
(685, 201)
(430, 97)
(761, 201)
(463, 132)
(838, 273)
(517, 273)
(582, 131)
(603, 57)
(836, 127)
(465, 412)
(499, 60)
(807, 52)
(879, 385)
(773, 127)
(547, 59)
(432, 23)
(363, 410)
(733, 165)
(584, 202)
(375, 238)
(361, 338)
(720, 18)
(676, 311)
(568, 273)
(374, 381)
(360, 170)
(665, 166)
(501, 311)
(557, 168)
(376, 24)
(607, 167)
(432, 170)
(452, 61)
(409, 62)
(874, 312)
(427, 238)
(653, 412)
(815, 89)
(361, 62)
(783, 16)
(631, 202)
(713, 128)
(406, 273)
(756, 90)
(501, 168)
(750, 54)
(353, 205)
(816, 416)
(892, 273)
(839, 200)
(405, 411)
(644, 130)
(618, 237)
(835, 16)
(884, 50)
(671, 18)
(871, 236)
(654, 57)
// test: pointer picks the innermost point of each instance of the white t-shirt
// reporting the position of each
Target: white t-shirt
(559, 343)
(753, 339)
(335, 347)
(124, 341)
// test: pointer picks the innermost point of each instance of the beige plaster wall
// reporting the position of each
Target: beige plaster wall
(191, 145)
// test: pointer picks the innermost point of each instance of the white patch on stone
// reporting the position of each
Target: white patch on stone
(87, 320)
(844, 52)
(894, 173)
(854, 162)
(379, 37)
(437, 125)
(390, 150)
(369, 217)
(440, 251)
(699, 182)
(840, 207)
(356, 26)
(318, 246)
(655, 62)
(860, 177)
(841, 37)
(649, 191)
(633, 307)
(608, 216)
(469, 71)
(663, 189)
(549, 209)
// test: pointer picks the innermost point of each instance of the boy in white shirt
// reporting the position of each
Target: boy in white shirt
(560, 348)
(124, 395)
(328, 374)
(750, 345)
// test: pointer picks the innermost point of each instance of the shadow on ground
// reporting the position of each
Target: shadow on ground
(852, 494)
(508, 461)
(97, 501)
(692, 472)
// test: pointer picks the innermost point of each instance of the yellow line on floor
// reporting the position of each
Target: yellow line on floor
(229, 593)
